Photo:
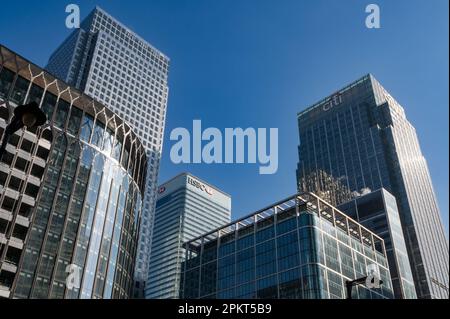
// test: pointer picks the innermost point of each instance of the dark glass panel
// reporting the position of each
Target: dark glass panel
(6, 79)
(35, 95)
(74, 120)
(61, 113)
(20, 89)
(48, 105)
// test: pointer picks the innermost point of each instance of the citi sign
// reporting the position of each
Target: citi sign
(208, 190)
(335, 100)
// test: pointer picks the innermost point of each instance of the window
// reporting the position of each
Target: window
(86, 128)
(35, 95)
(20, 89)
(265, 234)
(287, 248)
(74, 120)
(265, 258)
(245, 242)
(267, 288)
(6, 79)
(48, 105)
(290, 287)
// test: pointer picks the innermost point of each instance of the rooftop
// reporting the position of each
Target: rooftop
(312, 203)
(328, 98)
(197, 178)
(145, 42)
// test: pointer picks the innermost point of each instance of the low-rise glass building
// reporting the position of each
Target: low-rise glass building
(70, 192)
(300, 247)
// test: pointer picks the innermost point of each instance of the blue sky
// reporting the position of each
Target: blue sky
(256, 63)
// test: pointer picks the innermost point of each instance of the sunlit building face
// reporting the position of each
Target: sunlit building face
(71, 192)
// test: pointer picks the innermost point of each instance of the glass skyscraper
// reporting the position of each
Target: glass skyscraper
(378, 212)
(361, 137)
(71, 192)
(298, 248)
(186, 208)
(112, 64)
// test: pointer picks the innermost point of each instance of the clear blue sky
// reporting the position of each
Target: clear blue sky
(256, 63)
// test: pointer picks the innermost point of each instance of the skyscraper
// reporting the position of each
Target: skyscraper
(298, 248)
(187, 207)
(109, 62)
(360, 135)
(70, 192)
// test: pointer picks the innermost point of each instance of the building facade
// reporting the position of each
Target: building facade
(109, 62)
(360, 135)
(298, 248)
(378, 212)
(71, 192)
(186, 208)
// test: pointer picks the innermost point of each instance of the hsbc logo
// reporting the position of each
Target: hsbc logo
(161, 190)
(208, 190)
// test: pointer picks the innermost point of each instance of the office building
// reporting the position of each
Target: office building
(109, 62)
(378, 212)
(298, 248)
(71, 192)
(186, 208)
(361, 137)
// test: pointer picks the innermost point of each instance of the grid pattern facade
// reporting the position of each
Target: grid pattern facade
(78, 199)
(182, 213)
(115, 66)
(360, 135)
(299, 248)
(378, 212)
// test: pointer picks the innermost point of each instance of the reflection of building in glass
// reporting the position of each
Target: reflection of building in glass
(324, 185)
(187, 207)
(378, 212)
(71, 192)
(300, 247)
(361, 136)
(111, 63)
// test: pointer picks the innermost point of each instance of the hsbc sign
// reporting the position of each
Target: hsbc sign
(161, 190)
(208, 190)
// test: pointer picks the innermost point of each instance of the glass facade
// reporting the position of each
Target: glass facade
(108, 61)
(378, 212)
(361, 137)
(299, 248)
(71, 196)
(187, 207)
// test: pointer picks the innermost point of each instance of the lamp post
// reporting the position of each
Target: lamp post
(350, 283)
(29, 115)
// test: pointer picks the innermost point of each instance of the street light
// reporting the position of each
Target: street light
(350, 283)
(29, 115)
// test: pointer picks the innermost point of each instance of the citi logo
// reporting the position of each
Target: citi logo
(161, 190)
(334, 101)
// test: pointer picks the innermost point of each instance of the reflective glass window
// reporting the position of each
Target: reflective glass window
(62, 112)
(35, 94)
(6, 79)
(97, 137)
(74, 120)
(86, 128)
(48, 105)
(20, 90)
